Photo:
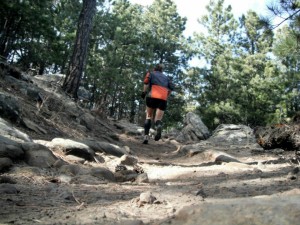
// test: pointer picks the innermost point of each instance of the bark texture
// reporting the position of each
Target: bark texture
(79, 56)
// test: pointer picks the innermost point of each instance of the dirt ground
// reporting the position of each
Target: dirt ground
(30, 195)
(175, 180)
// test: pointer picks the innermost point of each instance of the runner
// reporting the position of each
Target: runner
(157, 88)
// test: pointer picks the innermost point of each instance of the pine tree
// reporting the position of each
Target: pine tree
(216, 47)
(79, 56)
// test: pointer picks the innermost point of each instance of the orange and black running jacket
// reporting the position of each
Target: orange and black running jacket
(160, 85)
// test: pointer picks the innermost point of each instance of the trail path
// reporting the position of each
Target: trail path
(175, 180)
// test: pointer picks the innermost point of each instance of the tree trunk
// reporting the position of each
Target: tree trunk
(78, 58)
(132, 110)
(7, 36)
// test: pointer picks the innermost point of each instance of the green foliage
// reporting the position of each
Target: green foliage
(287, 52)
(127, 42)
(65, 21)
(249, 75)
(241, 83)
(219, 113)
(114, 67)
(175, 111)
(27, 28)
(164, 28)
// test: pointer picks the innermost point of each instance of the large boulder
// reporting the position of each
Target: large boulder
(9, 108)
(10, 149)
(26, 88)
(12, 133)
(38, 155)
(231, 134)
(72, 147)
(85, 149)
(108, 148)
(194, 130)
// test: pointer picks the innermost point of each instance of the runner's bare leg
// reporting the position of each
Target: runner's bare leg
(159, 115)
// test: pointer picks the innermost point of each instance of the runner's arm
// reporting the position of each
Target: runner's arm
(146, 82)
(146, 88)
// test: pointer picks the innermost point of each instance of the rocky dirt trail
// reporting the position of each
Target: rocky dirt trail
(219, 180)
(175, 181)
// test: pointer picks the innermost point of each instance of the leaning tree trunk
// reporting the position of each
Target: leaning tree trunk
(78, 59)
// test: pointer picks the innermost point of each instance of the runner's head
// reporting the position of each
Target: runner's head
(159, 67)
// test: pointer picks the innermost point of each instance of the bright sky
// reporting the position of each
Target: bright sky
(194, 9)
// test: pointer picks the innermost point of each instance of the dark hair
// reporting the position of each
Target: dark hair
(159, 67)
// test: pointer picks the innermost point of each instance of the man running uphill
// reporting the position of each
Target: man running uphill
(157, 88)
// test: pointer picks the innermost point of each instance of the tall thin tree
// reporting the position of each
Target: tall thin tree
(79, 56)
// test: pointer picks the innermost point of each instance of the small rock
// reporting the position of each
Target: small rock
(128, 160)
(146, 198)
(120, 167)
(142, 178)
(256, 170)
(64, 178)
(103, 173)
(138, 169)
(69, 169)
(293, 174)
(125, 175)
(8, 189)
(261, 166)
(201, 193)
(67, 195)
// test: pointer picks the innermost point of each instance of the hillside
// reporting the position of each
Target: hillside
(63, 164)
